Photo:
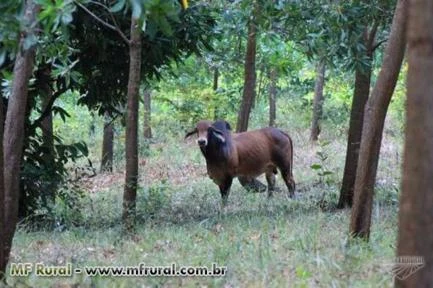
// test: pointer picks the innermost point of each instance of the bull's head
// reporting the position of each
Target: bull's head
(204, 129)
(201, 130)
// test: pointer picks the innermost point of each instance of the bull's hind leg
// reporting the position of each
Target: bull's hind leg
(225, 190)
(288, 179)
(270, 178)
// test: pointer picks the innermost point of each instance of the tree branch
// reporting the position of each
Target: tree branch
(108, 25)
(376, 45)
(372, 34)
(49, 106)
(109, 13)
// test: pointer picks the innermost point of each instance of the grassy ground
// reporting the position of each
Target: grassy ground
(263, 243)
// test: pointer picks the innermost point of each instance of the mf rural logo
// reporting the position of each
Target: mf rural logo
(405, 266)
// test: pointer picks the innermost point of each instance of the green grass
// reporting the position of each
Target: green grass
(263, 242)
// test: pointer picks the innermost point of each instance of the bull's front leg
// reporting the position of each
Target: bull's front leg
(225, 189)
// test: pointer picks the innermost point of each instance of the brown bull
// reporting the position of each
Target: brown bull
(245, 155)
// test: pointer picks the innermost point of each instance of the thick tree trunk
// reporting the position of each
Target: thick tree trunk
(375, 113)
(131, 142)
(360, 97)
(318, 101)
(107, 145)
(272, 96)
(147, 129)
(14, 129)
(416, 201)
(249, 81)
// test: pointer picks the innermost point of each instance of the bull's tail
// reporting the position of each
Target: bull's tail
(291, 159)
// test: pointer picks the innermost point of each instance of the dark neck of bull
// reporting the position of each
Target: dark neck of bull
(216, 152)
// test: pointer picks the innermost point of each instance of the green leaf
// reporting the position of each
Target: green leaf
(316, 166)
(302, 273)
(66, 18)
(29, 41)
(118, 6)
(136, 9)
(2, 56)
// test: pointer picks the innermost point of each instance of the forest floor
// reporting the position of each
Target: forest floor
(263, 242)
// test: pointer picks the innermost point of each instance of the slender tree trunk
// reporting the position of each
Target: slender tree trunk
(147, 129)
(216, 76)
(416, 200)
(215, 88)
(3, 244)
(250, 80)
(261, 83)
(107, 145)
(272, 96)
(43, 80)
(14, 128)
(47, 129)
(131, 142)
(360, 97)
(375, 113)
(318, 101)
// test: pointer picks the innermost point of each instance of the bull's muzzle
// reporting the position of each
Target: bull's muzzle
(202, 142)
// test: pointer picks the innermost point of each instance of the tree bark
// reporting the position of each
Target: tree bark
(375, 114)
(360, 97)
(272, 96)
(107, 145)
(249, 80)
(416, 201)
(147, 129)
(3, 257)
(14, 129)
(131, 141)
(216, 75)
(44, 79)
(318, 101)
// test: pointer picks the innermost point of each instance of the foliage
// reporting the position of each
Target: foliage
(103, 56)
(333, 30)
(43, 179)
(321, 168)
(10, 13)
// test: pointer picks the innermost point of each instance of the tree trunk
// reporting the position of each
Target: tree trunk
(249, 80)
(318, 101)
(416, 201)
(3, 244)
(147, 129)
(215, 88)
(44, 79)
(14, 128)
(107, 145)
(360, 97)
(131, 141)
(272, 96)
(215, 79)
(375, 113)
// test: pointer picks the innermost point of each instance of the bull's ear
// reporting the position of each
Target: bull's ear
(228, 125)
(218, 134)
(188, 134)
